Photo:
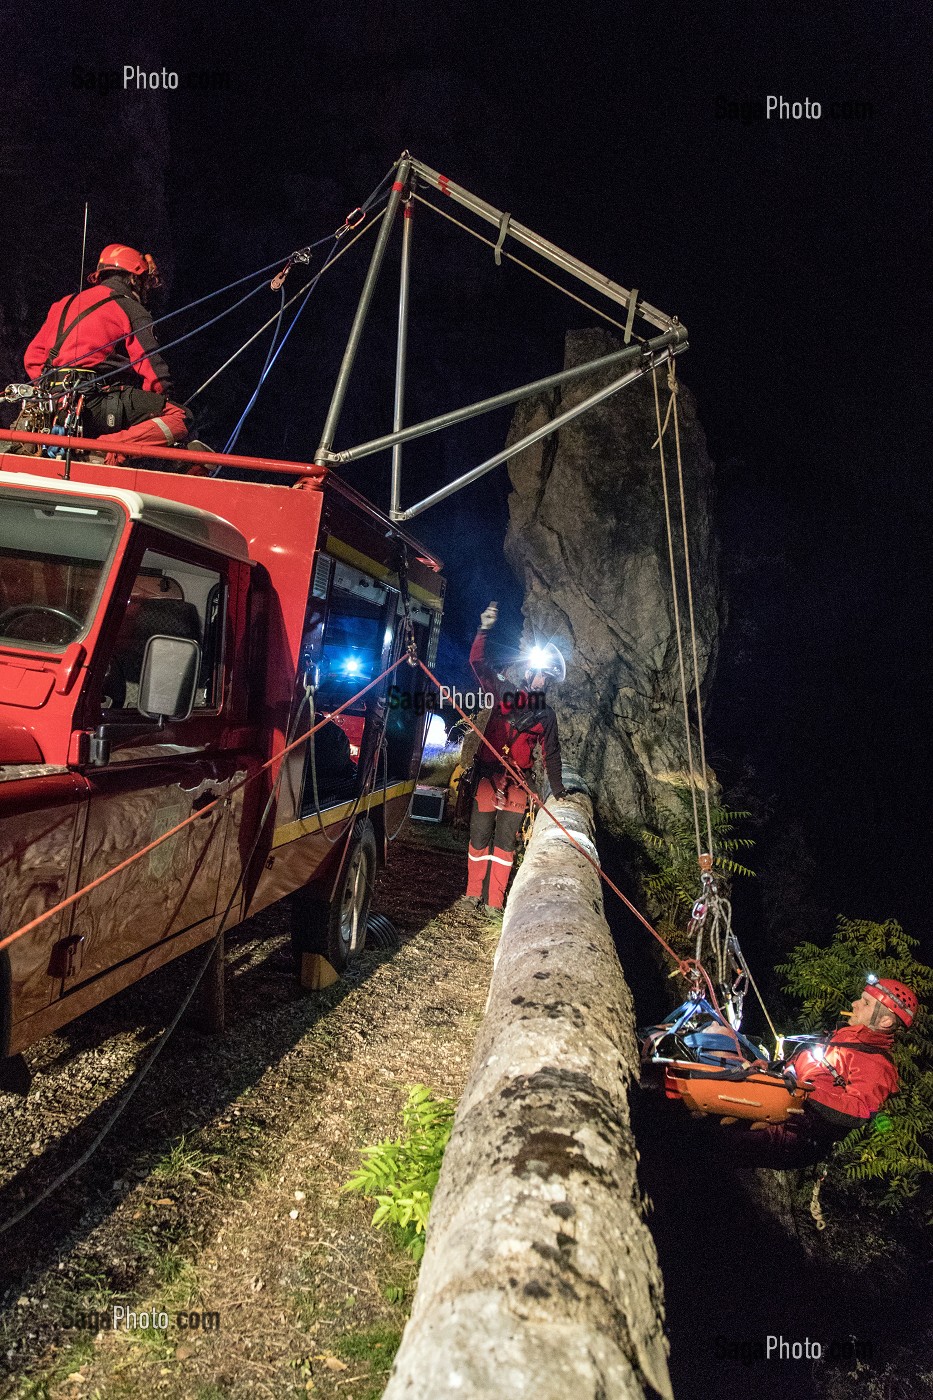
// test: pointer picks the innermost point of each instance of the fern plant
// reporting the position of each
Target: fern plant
(400, 1174)
(672, 887)
(894, 1148)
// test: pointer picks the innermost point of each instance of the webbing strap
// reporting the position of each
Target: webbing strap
(65, 331)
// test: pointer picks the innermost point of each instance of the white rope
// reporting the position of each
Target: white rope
(527, 266)
(672, 385)
(677, 628)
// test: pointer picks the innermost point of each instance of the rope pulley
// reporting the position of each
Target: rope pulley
(301, 255)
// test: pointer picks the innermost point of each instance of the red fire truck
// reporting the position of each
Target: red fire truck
(163, 635)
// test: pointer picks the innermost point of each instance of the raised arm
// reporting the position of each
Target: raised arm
(482, 670)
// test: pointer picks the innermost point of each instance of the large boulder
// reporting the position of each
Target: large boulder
(587, 537)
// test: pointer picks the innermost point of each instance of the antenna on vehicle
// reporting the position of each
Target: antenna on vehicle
(67, 473)
(83, 247)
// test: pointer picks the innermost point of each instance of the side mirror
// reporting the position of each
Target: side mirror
(168, 678)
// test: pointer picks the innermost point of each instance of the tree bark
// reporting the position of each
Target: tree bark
(540, 1278)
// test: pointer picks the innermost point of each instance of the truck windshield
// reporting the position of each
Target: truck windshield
(53, 559)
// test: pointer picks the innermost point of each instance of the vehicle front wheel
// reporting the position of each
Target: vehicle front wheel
(338, 929)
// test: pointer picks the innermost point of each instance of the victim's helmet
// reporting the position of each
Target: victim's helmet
(894, 996)
(547, 660)
(119, 257)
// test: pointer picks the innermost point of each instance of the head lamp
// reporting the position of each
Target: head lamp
(546, 660)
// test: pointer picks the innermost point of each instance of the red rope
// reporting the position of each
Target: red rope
(195, 816)
(683, 964)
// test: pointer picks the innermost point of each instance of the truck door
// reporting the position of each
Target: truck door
(156, 776)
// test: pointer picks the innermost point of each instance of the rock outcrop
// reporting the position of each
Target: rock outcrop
(587, 537)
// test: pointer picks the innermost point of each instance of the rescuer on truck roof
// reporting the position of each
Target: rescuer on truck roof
(103, 336)
(849, 1078)
(520, 722)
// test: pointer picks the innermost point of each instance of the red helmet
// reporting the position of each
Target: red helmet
(118, 255)
(894, 997)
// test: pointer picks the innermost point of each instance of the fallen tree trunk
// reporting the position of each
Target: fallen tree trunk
(540, 1278)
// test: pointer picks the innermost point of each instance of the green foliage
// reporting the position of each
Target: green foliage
(673, 886)
(401, 1174)
(893, 1149)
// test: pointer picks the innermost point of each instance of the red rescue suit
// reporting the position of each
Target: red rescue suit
(106, 329)
(850, 1084)
(516, 727)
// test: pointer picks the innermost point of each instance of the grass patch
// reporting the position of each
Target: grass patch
(439, 837)
(69, 1361)
(376, 1346)
(184, 1163)
(437, 772)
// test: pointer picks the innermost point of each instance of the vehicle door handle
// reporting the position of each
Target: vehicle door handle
(203, 800)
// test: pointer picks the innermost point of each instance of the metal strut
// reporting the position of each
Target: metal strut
(673, 340)
(550, 251)
(362, 310)
(514, 448)
(400, 357)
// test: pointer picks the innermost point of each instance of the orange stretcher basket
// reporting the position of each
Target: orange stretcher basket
(754, 1094)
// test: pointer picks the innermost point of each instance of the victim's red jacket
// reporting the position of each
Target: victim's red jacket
(860, 1057)
(511, 709)
(117, 332)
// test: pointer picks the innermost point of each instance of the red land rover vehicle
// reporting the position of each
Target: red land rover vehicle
(162, 636)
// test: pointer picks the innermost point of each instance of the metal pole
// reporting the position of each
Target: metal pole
(184, 455)
(540, 245)
(400, 356)
(359, 320)
(675, 337)
(511, 451)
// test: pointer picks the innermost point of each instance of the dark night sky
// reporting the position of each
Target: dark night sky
(795, 252)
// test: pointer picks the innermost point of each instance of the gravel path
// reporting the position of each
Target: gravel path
(219, 1191)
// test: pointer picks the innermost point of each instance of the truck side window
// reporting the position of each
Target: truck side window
(406, 720)
(170, 597)
(343, 647)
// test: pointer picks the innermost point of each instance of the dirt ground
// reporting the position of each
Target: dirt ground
(217, 1199)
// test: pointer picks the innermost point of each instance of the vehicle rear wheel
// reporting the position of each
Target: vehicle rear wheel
(338, 929)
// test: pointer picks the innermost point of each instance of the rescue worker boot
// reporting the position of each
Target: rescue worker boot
(198, 468)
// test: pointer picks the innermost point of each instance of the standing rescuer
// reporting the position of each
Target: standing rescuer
(102, 337)
(521, 720)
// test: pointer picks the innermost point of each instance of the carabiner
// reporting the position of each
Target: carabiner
(353, 220)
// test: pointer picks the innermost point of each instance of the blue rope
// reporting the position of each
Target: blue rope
(120, 369)
(271, 358)
(199, 301)
(270, 361)
(108, 344)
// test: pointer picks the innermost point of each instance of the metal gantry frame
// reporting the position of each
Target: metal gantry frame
(634, 360)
